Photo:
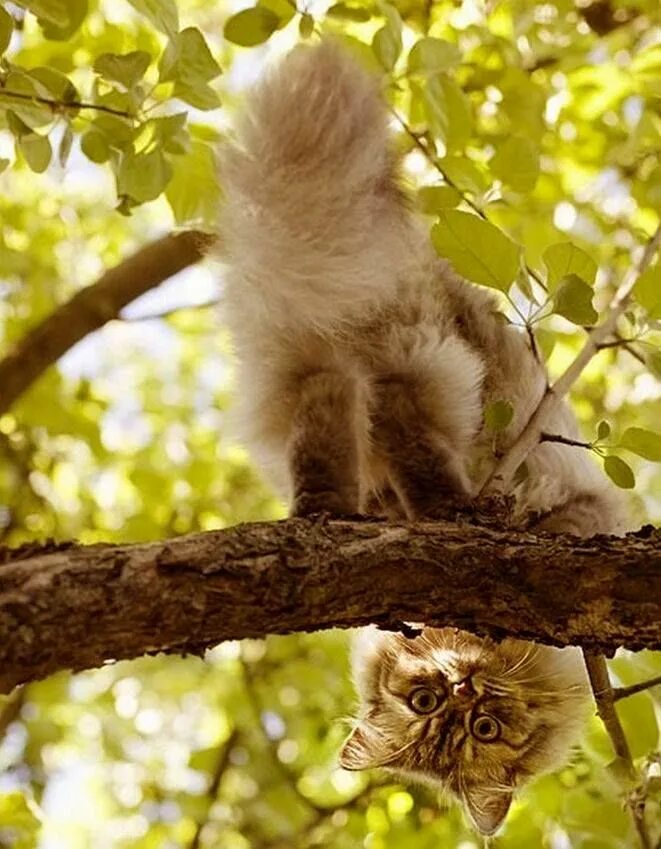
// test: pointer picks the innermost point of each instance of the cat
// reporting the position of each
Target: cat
(364, 368)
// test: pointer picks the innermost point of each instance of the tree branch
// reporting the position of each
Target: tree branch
(633, 689)
(93, 306)
(530, 435)
(67, 606)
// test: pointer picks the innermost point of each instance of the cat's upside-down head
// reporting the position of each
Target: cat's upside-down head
(476, 717)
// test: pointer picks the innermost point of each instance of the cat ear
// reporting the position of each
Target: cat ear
(486, 807)
(357, 751)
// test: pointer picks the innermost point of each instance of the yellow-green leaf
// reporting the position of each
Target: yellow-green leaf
(126, 68)
(430, 55)
(37, 151)
(95, 146)
(647, 291)
(619, 472)
(477, 250)
(643, 442)
(565, 258)
(6, 29)
(516, 163)
(498, 415)
(162, 14)
(433, 199)
(347, 12)
(144, 176)
(573, 301)
(251, 26)
(306, 25)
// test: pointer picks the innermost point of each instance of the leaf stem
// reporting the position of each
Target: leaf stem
(564, 440)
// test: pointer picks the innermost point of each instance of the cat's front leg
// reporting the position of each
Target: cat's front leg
(322, 448)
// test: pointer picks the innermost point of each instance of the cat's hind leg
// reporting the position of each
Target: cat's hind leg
(425, 409)
(322, 447)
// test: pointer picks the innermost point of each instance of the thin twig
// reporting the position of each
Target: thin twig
(632, 689)
(60, 105)
(530, 435)
(564, 440)
(605, 701)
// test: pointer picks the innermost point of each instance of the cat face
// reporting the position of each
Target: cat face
(477, 717)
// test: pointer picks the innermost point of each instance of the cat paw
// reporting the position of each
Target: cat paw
(314, 503)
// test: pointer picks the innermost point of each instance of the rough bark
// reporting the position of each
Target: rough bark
(71, 606)
(92, 307)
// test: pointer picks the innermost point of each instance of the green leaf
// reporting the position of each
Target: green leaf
(477, 250)
(565, 258)
(169, 132)
(65, 146)
(187, 59)
(30, 112)
(6, 29)
(654, 363)
(143, 176)
(306, 25)
(55, 83)
(283, 9)
(431, 55)
(573, 301)
(464, 173)
(3, 164)
(447, 111)
(386, 46)
(546, 341)
(95, 146)
(619, 472)
(603, 430)
(162, 14)
(251, 26)
(516, 163)
(647, 291)
(126, 68)
(433, 199)
(387, 42)
(36, 150)
(193, 192)
(643, 442)
(346, 12)
(54, 11)
(498, 415)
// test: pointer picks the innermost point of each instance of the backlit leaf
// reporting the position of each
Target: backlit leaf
(647, 291)
(516, 163)
(127, 68)
(430, 55)
(37, 151)
(619, 472)
(573, 301)
(162, 14)
(565, 258)
(498, 415)
(251, 26)
(643, 442)
(477, 249)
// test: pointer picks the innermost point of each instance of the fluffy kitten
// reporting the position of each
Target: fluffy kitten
(365, 364)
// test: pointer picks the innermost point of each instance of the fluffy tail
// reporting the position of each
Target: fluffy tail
(314, 225)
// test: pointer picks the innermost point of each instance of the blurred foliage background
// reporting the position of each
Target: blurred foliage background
(546, 118)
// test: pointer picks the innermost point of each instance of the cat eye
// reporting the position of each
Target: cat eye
(423, 700)
(486, 728)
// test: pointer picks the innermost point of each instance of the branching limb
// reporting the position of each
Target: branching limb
(59, 106)
(632, 689)
(564, 440)
(530, 435)
(93, 306)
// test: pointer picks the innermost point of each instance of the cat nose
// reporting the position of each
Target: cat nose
(463, 689)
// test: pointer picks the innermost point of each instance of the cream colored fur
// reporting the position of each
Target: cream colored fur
(365, 364)
(328, 270)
